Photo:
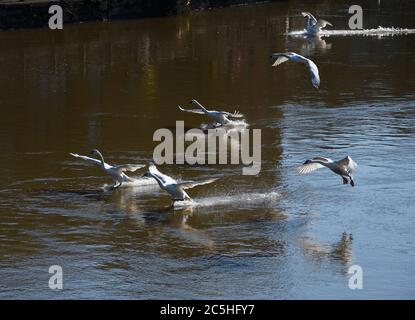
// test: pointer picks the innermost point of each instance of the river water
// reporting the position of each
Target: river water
(276, 235)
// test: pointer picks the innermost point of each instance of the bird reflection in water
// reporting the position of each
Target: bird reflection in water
(177, 222)
(313, 43)
(339, 251)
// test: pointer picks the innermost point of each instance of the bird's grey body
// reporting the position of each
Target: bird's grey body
(314, 26)
(117, 173)
(344, 167)
(220, 117)
(278, 58)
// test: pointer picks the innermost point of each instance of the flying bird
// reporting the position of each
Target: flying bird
(312, 25)
(171, 186)
(344, 167)
(278, 58)
(221, 117)
(117, 173)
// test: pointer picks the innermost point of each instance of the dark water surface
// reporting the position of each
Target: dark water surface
(276, 235)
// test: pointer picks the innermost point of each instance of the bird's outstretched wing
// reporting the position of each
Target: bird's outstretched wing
(322, 159)
(312, 67)
(90, 160)
(165, 179)
(323, 23)
(278, 58)
(315, 77)
(192, 184)
(348, 163)
(307, 168)
(129, 167)
(198, 111)
(312, 20)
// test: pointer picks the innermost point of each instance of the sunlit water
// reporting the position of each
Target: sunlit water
(271, 236)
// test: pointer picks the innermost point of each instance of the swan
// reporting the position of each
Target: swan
(221, 117)
(117, 173)
(278, 58)
(344, 167)
(171, 186)
(313, 25)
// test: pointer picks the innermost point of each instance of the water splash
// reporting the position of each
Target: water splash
(237, 200)
(379, 32)
(233, 125)
(238, 123)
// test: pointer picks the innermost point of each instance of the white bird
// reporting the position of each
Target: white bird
(312, 25)
(278, 58)
(221, 117)
(344, 167)
(117, 173)
(174, 188)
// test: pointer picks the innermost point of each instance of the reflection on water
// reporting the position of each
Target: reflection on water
(314, 43)
(340, 250)
(275, 235)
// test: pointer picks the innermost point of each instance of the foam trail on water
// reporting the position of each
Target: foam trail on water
(379, 31)
(237, 200)
(139, 182)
